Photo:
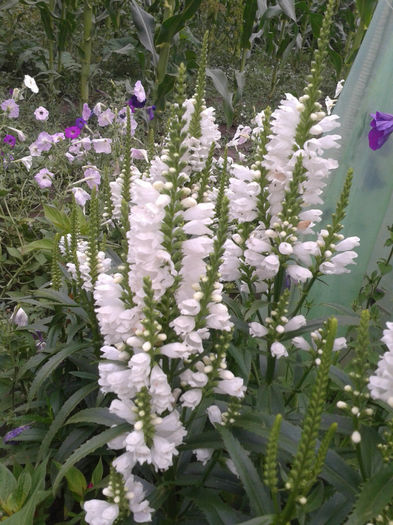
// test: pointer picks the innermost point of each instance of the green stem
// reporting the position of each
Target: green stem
(87, 44)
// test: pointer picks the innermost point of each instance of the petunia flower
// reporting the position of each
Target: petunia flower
(86, 112)
(19, 317)
(106, 118)
(80, 122)
(92, 176)
(139, 91)
(72, 132)
(10, 140)
(81, 196)
(150, 112)
(381, 128)
(135, 103)
(44, 178)
(41, 113)
(11, 108)
(21, 135)
(30, 83)
(102, 145)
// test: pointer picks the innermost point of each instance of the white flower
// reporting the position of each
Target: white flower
(161, 394)
(298, 273)
(30, 83)
(102, 145)
(191, 398)
(100, 512)
(257, 329)
(233, 387)
(295, 323)
(203, 454)
(19, 317)
(381, 384)
(278, 350)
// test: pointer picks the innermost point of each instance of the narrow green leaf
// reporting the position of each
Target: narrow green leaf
(215, 510)
(62, 415)
(249, 14)
(261, 520)
(144, 23)
(376, 493)
(98, 415)
(88, 448)
(50, 366)
(172, 25)
(256, 492)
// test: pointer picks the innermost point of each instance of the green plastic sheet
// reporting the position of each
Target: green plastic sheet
(369, 88)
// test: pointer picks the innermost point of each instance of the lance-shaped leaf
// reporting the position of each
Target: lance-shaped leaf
(144, 23)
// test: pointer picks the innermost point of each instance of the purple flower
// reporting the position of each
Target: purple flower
(44, 178)
(44, 141)
(14, 433)
(150, 112)
(11, 108)
(92, 176)
(80, 123)
(135, 103)
(72, 132)
(381, 128)
(10, 140)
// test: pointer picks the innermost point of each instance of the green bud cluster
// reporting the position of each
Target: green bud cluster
(56, 257)
(195, 123)
(145, 419)
(126, 176)
(93, 239)
(277, 319)
(261, 141)
(115, 492)
(270, 476)
(303, 471)
(202, 185)
(311, 91)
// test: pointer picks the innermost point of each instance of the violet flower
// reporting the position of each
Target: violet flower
(135, 103)
(44, 178)
(8, 438)
(41, 113)
(80, 122)
(10, 140)
(381, 128)
(150, 112)
(72, 132)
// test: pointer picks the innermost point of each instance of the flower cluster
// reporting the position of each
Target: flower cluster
(381, 383)
(165, 327)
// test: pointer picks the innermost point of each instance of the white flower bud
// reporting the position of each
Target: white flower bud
(356, 437)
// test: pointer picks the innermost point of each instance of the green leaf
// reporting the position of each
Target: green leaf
(376, 493)
(215, 510)
(16, 500)
(50, 366)
(261, 520)
(172, 25)
(288, 6)
(7, 482)
(76, 481)
(249, 13)
(256, 492)
(97, 474)
(42, 244)
(88, 448)
(62, 415)
(60, 220)
(144, 23)
(14, 252)
(98, 415)
(220, 82)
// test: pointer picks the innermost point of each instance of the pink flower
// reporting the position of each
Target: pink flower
(72, 132)
(44, 178)
(139, 91)
(86, 112)
(81, 196)
(11, 108)
(106, 118)
(41, 113)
